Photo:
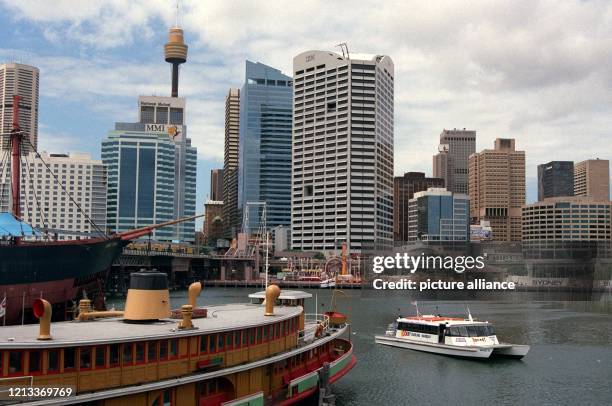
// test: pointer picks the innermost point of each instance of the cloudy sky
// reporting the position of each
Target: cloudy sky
(537, 71)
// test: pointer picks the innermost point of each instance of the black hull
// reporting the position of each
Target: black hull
(46, 262)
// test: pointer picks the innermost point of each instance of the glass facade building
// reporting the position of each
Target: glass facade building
(555, 179)
(438, 215)
(140, 180)
(265, 144)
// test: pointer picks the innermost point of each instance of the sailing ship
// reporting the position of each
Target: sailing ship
(31, 268)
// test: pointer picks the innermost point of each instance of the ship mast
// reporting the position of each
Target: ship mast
(16, 158)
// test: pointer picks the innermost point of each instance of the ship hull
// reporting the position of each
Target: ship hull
(54, 271)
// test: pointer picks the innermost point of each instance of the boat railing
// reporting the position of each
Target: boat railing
(315, 325)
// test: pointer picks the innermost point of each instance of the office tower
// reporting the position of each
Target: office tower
(555, 178)
(216, 185)
(404, 188)
(16, 78)
(213, 221)
(342, 172)
(438, 215)
(141, 171)
(264, 173)
(592, 178)
(497, 189)
(231, 217)
(46, 205)
(451, 162)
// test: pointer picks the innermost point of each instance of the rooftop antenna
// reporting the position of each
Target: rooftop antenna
(344, 47)
(177, 14)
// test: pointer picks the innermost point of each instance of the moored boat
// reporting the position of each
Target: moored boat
(458, 337)
(235, 354)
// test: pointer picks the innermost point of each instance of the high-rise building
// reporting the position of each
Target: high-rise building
(592, 179)
(451, 162)
(404, 188)
(497, 189)
(22, 80)
(438, 215)
(231, 217)
(141, 170)
(265, 144)
(44, 203)
(555, 178)
(342, 171)
(216, 185)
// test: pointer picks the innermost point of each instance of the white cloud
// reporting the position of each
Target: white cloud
(536, 70)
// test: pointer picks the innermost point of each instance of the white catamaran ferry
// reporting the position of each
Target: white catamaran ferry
(452, 336)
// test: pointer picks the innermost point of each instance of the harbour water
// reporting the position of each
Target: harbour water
(570, 361)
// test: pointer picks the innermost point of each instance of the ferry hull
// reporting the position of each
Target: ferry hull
(454, 351)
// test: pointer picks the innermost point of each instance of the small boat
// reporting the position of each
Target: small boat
(458, 337)
(328, 283)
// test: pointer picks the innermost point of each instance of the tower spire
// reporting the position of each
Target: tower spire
(175, 51)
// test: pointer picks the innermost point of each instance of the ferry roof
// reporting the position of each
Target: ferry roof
(284, 295)
(437, 320)
(112, 330)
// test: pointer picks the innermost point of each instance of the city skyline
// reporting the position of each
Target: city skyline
(495, 94)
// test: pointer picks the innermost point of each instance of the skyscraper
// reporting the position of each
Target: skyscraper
(497, 189)
(141, 170)
(231, 218)
(342, 171)
(592, 178)
(265, 144)
(555, 178)
(404, 188)
(451, 162)
(438, 215)
(216, 185)
(16, 78)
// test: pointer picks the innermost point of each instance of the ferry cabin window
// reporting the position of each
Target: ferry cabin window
(203, 344)
(85, 358)
(213, 343)
(140, 351)
(259, 334)
(220, 338)
(69, 358)
(229, 339)
(173, 348)
(163, 350)
(237, 339)
(152, 351)
(252, 336)
(34, 363)
(100, 356)
(15, 362)
(53, 361)
(245, 338)
(114, 355)
(417, 328)
(128, 354)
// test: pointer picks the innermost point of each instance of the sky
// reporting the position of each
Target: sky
(538, 71)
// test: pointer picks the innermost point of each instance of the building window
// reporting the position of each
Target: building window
(176, 116)
(146, 114)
